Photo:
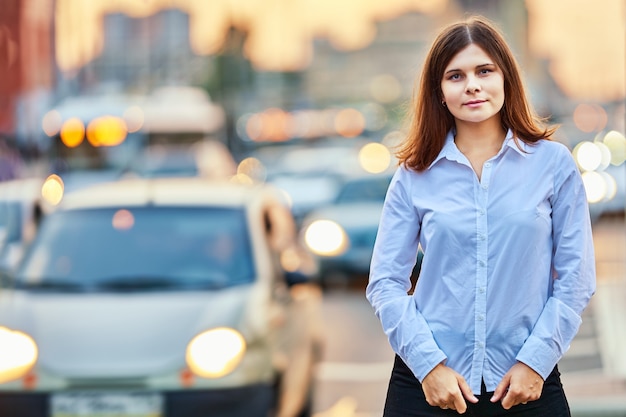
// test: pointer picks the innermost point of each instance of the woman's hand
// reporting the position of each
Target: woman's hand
(447, 389)
(520, 385)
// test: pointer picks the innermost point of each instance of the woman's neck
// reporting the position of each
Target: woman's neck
(479, 136)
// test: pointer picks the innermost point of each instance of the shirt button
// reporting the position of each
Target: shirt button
(481, 317)
(481, 263)
(481, 290)
(487, 164)
(481, 212)
(485, 186)
(481, 237)
(481, 345)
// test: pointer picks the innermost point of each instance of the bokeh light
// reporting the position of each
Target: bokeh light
(216, 352)
(590, 117)
(385, 88)
(18, 353)
(595, 186)
(616, 142)
(106, 131)
(374, 157)
(72, 132)
(587, 155)
(605, 155)
(52, 189)
(51, 123)
(123, 220)
(349, 123)
(241, 179)
(253, 169)
(326, 238)
(611, 186)
(134, 118)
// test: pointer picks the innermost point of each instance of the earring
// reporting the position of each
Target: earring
(443, 103)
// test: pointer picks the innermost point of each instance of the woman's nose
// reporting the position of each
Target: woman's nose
(472, 86)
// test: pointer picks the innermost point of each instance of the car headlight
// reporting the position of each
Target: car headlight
(18, 353)
(216, 352)
(326, 238)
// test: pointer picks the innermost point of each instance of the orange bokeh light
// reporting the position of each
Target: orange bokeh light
(106, 131)
(123, 220)
(72, 132)
(590, 117)
(349, 123)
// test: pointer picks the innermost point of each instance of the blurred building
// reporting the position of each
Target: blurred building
(141, 53)
(27, 71)
(51, 49)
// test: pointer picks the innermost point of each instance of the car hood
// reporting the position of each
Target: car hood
(120, 335)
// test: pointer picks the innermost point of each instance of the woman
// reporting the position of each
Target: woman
(501, 214)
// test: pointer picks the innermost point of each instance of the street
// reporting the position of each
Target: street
(352, 379)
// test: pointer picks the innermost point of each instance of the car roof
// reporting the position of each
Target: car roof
(21, 189)
(165, 192)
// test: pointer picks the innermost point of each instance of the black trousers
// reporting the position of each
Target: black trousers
(405, 398)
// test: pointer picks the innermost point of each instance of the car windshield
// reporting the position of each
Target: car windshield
(139, 249)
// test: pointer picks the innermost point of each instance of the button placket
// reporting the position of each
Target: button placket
(480, 311)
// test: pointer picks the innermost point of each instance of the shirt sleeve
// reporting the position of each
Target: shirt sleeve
(574, 271)
(393, 258)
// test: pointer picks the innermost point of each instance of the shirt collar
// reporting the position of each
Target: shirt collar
(452, 153)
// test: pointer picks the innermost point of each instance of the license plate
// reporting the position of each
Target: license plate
(87, 404)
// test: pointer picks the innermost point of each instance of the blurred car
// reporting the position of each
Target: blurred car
(311, 175)
(307, 191)
(342, 234)
(207, 158)
(20, 211)
(169, 297)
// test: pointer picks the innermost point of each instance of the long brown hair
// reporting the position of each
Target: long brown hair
(430, 121)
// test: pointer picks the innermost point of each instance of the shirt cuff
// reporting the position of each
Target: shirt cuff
(539, 356)
(424, 358)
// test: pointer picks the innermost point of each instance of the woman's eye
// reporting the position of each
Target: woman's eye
(454, 77)
(485, 71)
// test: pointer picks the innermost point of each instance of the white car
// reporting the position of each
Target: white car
(176, 297)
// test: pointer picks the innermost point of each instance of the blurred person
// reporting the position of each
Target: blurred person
(10, 162)
(501, 214)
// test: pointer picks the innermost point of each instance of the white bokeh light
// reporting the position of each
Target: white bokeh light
(588, 156)
(595, 186)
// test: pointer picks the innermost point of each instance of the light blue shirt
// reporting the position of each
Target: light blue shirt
(508, 263)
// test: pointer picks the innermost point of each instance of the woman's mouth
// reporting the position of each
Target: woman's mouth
(474, 103)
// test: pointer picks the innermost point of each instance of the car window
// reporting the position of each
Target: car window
(139, 248)
(371, 189)
(13, 218)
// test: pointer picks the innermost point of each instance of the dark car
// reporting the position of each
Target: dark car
(342, 234)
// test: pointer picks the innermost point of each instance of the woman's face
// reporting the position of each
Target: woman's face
(473, 86)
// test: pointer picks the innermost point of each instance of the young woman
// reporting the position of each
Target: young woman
(501, 215)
